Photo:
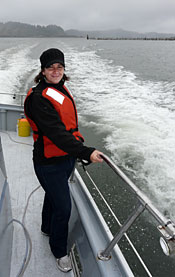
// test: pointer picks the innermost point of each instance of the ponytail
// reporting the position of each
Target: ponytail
(39, 78)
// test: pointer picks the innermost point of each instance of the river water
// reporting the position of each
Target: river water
(125, 92)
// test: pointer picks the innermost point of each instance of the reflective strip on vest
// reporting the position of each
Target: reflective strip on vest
(55, 95)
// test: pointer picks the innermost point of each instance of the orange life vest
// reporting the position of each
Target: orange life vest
(68, 115)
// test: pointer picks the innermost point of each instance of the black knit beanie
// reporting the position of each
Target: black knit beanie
(51, 56)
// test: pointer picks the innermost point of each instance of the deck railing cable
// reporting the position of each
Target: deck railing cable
(119, 223)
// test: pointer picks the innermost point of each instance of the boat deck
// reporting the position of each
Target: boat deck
(22, 181)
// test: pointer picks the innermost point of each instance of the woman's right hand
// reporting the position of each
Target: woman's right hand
(95, 157)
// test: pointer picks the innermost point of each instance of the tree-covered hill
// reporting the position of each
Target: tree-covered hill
(16, 29)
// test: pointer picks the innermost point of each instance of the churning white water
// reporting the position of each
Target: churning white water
(15, 65)
(139, 117)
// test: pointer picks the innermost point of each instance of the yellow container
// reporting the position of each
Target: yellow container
(23, 127)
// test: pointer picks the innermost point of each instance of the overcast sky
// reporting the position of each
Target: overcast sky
(133, 15)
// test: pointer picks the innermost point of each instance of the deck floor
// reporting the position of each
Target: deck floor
(22, 181)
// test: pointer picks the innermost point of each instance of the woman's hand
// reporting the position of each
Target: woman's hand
(95, 157)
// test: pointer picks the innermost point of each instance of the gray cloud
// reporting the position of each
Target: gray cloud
(135, 15)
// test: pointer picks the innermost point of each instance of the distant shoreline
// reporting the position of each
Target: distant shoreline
(23, 30)
(92, 38)
(172, 39)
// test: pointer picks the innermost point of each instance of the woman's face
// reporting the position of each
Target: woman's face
(54, 73)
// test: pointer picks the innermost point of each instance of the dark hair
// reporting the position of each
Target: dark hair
(40, 77)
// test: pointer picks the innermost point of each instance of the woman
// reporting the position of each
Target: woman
(51, 112)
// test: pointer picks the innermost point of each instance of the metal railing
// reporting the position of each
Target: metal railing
(15, 96)
(166, 227)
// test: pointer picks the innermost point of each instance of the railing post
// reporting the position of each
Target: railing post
(105, 254)
(3, 117)
(21, 97)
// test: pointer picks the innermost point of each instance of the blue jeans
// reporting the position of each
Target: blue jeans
(57, 203)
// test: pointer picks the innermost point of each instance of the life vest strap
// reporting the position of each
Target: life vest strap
(73, 130)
